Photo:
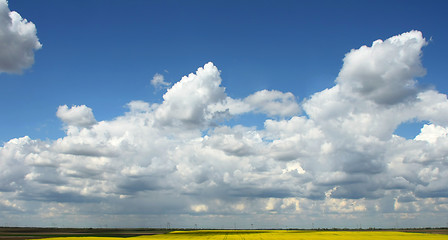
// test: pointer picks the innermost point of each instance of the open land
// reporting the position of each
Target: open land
(169, 234)
(20, 233)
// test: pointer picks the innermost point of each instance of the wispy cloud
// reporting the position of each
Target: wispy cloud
(158, 81)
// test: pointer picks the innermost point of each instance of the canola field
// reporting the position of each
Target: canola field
(274, 235)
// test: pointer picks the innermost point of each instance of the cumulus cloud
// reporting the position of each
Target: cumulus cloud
(187, 103)
(431, 133)
(78, 116)
(18, 41)
(385, 72)
(340, 159)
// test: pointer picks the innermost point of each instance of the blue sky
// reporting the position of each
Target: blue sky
(103, 55)
(289, 100)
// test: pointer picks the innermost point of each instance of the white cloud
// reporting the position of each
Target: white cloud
(273, 103)
(432, 106)
(138, 107)
(431, 133)
(158, 81)
(78, 116)
(187, 103)
(237, 141)
(385, 72)
(342, 157)
(269, 102)
(18, 41)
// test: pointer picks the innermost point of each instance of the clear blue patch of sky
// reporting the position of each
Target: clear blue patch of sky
(410, 130)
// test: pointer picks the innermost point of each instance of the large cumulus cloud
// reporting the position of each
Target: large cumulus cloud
(18, 41)
(385, 72)
(340, 158)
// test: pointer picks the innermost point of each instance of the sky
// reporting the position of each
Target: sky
(223, 114)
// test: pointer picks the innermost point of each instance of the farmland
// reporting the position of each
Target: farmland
(289, 235)
(145, 234)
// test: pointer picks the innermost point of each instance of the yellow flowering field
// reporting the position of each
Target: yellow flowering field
(275, 234)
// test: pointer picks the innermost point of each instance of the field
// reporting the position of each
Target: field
(292, 235)
(232, 235)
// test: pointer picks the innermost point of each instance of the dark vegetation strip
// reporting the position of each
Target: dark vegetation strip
(19, 233)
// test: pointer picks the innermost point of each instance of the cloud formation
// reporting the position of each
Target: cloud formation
(385, 72)
(273, 103)
(78, 116)
(341, 157)
(18, 41)
(158, 81)
(187, 103)
(270, 102)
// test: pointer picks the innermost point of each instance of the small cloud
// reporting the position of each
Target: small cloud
(158, 81)
(78, 116)
(138, 106)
